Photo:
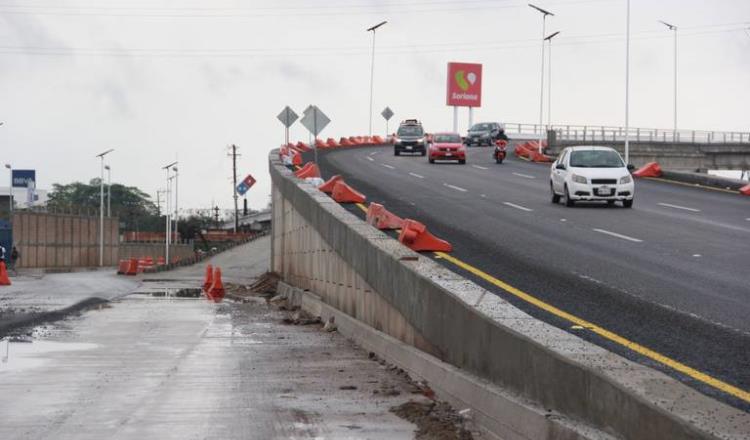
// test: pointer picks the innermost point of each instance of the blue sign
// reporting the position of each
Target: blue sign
(21, 178)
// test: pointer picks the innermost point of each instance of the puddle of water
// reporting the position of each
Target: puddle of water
(15, 356)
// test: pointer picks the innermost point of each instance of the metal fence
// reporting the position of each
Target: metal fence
(591, 133)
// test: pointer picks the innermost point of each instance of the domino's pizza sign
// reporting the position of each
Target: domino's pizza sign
(245, 185)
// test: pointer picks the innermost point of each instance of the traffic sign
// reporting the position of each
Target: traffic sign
(245, 185)
(287, 117)
(314, 120)
(387, 113)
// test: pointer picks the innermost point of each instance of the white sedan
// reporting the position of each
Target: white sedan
(589, 173)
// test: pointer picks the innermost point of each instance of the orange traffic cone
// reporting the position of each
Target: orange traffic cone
(745, 190)
(344, 193)
(216, 291)
(415, 235)
(381, 218)
(327, 187)
(209, 278)
(4, 280)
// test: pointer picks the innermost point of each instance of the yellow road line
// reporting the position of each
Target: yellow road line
(692, 185)
(362, 207)
(647, 352)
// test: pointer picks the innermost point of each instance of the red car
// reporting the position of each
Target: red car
(446, 146)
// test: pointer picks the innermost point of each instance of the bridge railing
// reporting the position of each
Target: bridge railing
(593, 133)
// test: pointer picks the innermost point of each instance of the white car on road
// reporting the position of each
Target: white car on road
(589, 173)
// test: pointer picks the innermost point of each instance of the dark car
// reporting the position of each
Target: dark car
(410, 138)
(485, 133)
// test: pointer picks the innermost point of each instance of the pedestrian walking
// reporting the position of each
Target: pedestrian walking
(14, 256)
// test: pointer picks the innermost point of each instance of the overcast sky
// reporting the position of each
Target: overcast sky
(162, 80)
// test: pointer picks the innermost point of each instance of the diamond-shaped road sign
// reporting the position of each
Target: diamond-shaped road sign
(287, 117)
(314, 120)
(387, 113)
(245, 185)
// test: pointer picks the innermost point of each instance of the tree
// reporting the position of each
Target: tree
(134, 207)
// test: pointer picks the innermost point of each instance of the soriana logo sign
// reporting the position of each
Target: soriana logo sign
(464, 85)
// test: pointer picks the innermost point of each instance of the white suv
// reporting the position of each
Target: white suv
(591, 173)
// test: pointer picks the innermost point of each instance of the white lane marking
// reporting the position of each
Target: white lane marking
(483, 196)
(373, 153)
(416, 175)
(481, 168)
(747, 219)
(615, 234)
(388, 166)
(370, 159)
(685, 208)
(697, 255)
(513, 205)
(457, 188)
(563, 220)
(526, 176)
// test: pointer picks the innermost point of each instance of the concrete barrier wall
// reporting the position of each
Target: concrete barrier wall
(63, 241)
(319, 246)
(153, 250)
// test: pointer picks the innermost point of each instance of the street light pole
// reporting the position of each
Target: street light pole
(549, 80)
(167, 216)
(101, 207)
(372, 67)
(176, 199)
(627, 84)
(109, 190)
(673, 28)
(541, 87)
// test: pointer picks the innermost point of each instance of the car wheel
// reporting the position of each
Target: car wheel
(628, 203)
(462, 161)
(568, 201)
(396, 152)
(555, 196)
(424, 153)
(431, 160)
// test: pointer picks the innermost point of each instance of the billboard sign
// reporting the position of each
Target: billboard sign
(23, 178)
(464, 85)
(246, 184)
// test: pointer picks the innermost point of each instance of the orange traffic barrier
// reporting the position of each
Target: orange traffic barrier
(330, 183)
(651, 169)
(344, 193)
(332, 143)
(353, 140)
(216, 291)
(345, 142)
(415, 236)
(309, 170)
(161, 261)
(132, 267)
(745, 190)
(302, 146)
(367, 140)
(320, 144)
(4, 280)
(381, 218)
(297, 159)
(209, 278)
(377, 140)
(122, 267)
(536, 156)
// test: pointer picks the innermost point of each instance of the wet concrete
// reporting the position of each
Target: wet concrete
(168, 367)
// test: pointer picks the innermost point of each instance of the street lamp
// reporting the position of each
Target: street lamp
(101, 207)
(168, 219)
(372, 67)
(673, 28)
(627, 84)
(109, 190)
(541, 87)
(549, 79)
(176, 199)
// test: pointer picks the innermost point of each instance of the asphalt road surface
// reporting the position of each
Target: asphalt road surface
(670, 274)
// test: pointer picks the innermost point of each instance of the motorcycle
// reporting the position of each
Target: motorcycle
(499, 153)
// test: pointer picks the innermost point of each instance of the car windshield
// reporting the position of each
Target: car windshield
(481, 127)
(595, 159)
(410, 130)
(447, 139)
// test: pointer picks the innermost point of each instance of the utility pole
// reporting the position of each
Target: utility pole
(234, 186)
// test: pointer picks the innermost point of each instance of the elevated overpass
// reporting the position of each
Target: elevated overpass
(661, 285)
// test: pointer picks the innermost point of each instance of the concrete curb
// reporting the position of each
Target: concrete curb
(518, 419)
(489, 338)
(702, 179)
